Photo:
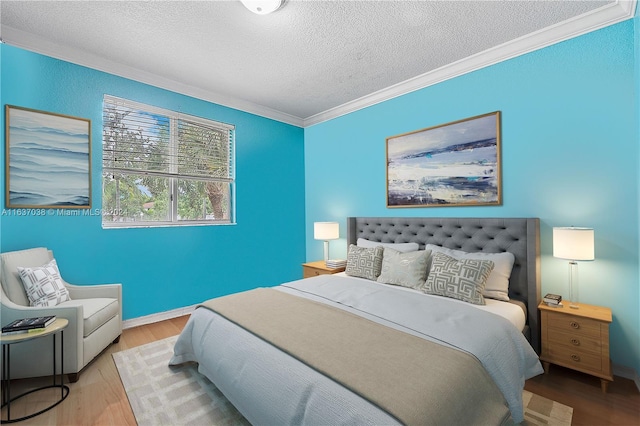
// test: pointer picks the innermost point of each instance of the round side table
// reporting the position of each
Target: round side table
(57, 327)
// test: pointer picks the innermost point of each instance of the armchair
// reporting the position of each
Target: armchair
(94, 313)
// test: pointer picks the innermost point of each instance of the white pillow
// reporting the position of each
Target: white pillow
(401, 247)
(497, 285)
(44, 285)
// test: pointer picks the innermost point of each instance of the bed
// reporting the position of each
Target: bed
(344, 349)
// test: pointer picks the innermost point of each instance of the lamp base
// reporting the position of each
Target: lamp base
(573, 285)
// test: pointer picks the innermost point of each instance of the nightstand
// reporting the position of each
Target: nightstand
(313, 269)
(577, 339)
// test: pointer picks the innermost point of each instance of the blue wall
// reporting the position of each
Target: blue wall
(569, 156)
(165, 268)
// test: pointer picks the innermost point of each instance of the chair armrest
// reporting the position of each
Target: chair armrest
(73, 333)
(11, 311)
(113, 291)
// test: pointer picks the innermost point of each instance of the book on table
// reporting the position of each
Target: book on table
(552, 299)
(25, 325)
(336, 263)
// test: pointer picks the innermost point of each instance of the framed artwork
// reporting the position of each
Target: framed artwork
(47, 160)
(453, 164)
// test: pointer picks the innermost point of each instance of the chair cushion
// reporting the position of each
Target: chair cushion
(44, 285)
(95, 312)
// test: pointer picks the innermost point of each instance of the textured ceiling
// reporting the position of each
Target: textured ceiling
(307, 58)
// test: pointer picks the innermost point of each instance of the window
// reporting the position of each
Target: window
(161, 167)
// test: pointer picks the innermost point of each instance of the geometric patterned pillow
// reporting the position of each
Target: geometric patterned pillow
(364, 262)
(497, 286)
(44, 285)
(462, 279)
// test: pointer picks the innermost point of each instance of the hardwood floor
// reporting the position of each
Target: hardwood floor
(619, 406)
(98, 397)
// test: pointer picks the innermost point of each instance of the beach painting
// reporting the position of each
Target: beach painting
(453, 164)
(47, 160)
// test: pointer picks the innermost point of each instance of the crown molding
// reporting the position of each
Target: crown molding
(37, 44)
(596, 19)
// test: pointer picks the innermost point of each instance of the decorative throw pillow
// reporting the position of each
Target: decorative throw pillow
(497, 286)
(462, 279)
(44, 285)
(404, 269)
(364, 262)
(403, 247)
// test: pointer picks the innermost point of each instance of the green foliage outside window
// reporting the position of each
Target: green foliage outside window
(163, 170)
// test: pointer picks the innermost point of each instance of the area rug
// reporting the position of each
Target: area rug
(163, 395)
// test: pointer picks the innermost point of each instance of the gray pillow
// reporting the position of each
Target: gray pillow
(462, 279)
(404, 269)
(497, 286)
(364, 262)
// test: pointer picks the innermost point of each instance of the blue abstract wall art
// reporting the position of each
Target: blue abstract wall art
(454, 164)
(48, 160)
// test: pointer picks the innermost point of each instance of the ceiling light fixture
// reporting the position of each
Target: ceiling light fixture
(263, 7)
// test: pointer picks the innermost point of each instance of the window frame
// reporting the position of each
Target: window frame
(172, 176)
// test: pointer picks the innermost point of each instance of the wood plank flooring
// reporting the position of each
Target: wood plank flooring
(619, 406)
(98, 397)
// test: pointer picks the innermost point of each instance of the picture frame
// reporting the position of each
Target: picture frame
(452, 164)
(47, 160)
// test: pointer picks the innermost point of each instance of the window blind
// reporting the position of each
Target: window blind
(204, 148)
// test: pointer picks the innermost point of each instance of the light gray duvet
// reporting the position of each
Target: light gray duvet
(270, 387)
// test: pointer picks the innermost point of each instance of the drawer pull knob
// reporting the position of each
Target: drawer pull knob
(574, 324)
(575, 342)
(575, 357)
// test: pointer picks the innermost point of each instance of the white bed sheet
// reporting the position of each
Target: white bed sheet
(507, 310)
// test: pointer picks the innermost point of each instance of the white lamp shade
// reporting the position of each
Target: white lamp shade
(326, 231)
(573, 243)
(262, 7)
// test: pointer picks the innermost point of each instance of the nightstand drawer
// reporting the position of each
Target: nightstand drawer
(578, 359)
(575, 341)
(313, 269)
(575, 325)
(310, 272)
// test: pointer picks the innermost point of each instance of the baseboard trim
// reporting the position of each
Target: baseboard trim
(160, 316)
(627, 373)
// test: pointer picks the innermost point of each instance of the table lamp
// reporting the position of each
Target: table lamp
(326, 231)
(573, 244)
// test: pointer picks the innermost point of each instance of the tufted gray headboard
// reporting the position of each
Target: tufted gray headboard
(520, 236)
